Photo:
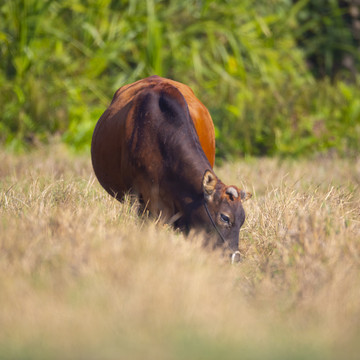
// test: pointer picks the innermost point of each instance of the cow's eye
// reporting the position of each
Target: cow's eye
(224, 218)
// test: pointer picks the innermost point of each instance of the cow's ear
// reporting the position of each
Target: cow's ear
(245, 195)
(209, 183)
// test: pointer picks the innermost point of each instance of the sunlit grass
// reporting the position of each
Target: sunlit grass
(83, 276)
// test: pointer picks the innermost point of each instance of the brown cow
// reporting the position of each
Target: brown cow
(156, 140)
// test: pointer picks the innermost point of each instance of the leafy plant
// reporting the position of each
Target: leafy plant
(63, 60)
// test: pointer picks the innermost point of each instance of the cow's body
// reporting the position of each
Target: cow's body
(156, 140)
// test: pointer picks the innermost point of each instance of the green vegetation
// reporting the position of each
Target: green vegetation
(83, 277)
(61, 62)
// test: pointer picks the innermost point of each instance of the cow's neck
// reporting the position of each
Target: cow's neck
(188, 175)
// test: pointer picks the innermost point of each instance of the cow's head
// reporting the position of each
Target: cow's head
(224, 212)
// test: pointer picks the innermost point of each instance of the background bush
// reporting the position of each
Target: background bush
(279, 77)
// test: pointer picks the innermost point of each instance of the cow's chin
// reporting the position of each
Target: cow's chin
(213, 241)
(228, 251)
(234, 256)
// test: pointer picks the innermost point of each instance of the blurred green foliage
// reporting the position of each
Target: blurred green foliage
(329, 33)
(62, 60)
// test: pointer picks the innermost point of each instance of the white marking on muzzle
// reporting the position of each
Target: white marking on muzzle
(233, 257)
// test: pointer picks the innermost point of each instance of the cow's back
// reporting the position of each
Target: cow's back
(198, 112)
(109, 149)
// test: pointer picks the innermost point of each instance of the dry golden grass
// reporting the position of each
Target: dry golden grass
(83, 277)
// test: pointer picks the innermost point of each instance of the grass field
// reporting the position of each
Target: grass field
(82, 276)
